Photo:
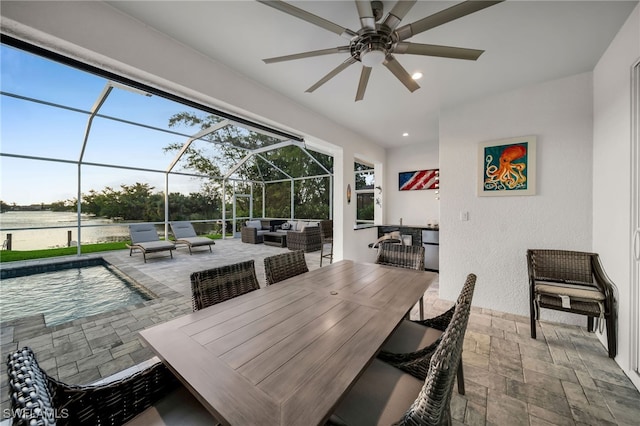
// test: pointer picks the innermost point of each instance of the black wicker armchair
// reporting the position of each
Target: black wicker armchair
(286, 265)
(216, 285)
(572, 281)
(422, 337)
(386, 395)
(38, 399)
(401, 256)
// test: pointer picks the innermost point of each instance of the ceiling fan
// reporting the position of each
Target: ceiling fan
(377, 41)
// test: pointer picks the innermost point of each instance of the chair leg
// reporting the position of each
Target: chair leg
(460, 376)
(589, 324)
(612, 342)
(533, 319)
(321, 253)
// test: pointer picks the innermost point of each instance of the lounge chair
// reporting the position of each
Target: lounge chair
(185, 234)
(144, 237)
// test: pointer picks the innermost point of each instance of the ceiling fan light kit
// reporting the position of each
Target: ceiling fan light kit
(379, 39)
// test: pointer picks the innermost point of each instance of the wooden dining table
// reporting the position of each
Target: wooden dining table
(285, 354)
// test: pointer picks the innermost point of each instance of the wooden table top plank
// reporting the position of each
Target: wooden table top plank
(307, 310)
(290, 376)
(230, 399)
(203, 319)
(267, 352)
(288, 302)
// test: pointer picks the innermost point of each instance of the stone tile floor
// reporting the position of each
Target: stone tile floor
(562, 378)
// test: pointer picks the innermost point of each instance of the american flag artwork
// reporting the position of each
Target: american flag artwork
(421, 179)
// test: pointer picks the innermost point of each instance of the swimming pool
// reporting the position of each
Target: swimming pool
(66, 291)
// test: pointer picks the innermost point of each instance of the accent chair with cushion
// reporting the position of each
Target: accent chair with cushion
(423, 337)
(303, 235)
(385, 395)
(572, 281)
(252, 232)
(149, 396)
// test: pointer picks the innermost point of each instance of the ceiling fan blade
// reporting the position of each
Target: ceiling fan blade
(310, 17)
(332, 74)
(362, 85)
(400, 73)
(435, 50)
(365, 12)
(309, 54)
(454, 12)
(400, 9)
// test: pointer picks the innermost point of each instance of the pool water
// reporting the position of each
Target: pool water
(67, 294)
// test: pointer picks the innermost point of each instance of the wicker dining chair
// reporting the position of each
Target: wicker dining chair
(286, 265)
(386, 395)
(216, 285)
(37, 398)
(326, 237)
(572, 281)
(423, 337)
(409, 257)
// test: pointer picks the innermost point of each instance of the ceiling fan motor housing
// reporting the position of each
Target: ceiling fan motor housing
(367, 44)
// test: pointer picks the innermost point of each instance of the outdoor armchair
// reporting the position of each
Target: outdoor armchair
(401, 256)
(307, 240)
(412, 344)
(37, 398)
(252, 232)
(216, 285)
(185, 234)
(286, 265)
(144, 237)
(572, 281)
(385, 395)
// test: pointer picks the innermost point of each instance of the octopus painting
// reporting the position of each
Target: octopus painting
(509, 173)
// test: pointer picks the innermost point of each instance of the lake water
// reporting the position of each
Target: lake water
(56, 226)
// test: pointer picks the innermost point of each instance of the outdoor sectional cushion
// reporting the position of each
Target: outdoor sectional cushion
(254, 224)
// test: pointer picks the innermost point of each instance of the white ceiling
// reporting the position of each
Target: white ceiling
(525, 42)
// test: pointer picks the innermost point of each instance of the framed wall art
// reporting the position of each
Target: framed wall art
(420, 179)
(507, 167)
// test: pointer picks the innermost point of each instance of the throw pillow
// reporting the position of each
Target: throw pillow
(286, 226)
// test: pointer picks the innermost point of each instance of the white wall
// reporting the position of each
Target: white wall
(96, 34)
(494, 241)
(612, 171)
(414, 207)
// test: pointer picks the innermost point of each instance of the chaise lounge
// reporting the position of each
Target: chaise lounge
(144, 237)
(185, 234)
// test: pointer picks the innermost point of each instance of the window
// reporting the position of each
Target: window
(365, 183)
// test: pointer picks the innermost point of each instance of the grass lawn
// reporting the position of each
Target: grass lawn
(15, 255)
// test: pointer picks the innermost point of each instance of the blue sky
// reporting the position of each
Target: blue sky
(32, 129)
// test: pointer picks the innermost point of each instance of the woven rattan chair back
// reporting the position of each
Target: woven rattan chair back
(409, 257)
(216, 285)
(286, 265)
(432, 407)
(37, 398)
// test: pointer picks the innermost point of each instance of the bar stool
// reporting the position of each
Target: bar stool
(326, 237)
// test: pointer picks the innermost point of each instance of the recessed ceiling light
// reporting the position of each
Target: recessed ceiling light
(416, 75)
(405, 134)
